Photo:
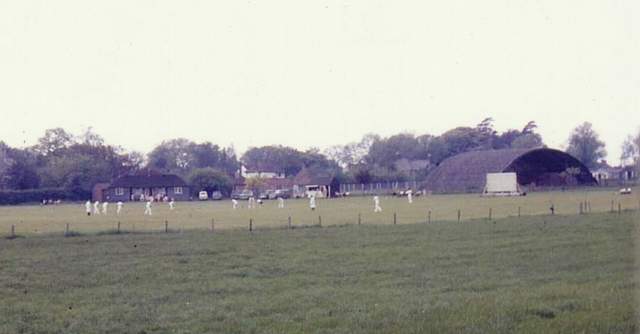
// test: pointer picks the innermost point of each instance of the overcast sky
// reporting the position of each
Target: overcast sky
(316, 73)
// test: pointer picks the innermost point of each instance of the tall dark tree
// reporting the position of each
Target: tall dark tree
(53, 141)
(529, 140)
(274, 158)
(181, 156)
(210, 179)
(22, 174)
(585, 145)
(631, 150)
(385, 152)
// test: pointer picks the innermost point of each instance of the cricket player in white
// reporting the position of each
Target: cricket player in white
(280, 203)
(147, 208)
(119, 207)
(171, 204)
(409, 196)
(312, 202)
(87, 207)
(96, 208)
(104, 207)
(376, 203)
(235, 203)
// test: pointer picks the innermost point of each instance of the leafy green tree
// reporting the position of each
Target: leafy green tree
(22, 174)
(53, 141)
(631, 150)
(210, 179)
(586, 146)
(385, 152)
(180, 156)
(255, 184)
(352, 153)
(460, 140)
(5, 164)
(275, 158)
(529, 140)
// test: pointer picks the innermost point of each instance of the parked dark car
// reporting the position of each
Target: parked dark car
(216, 195)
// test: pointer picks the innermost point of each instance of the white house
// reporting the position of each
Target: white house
(265, 174)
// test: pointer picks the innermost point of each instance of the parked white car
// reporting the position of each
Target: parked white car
(203, 196)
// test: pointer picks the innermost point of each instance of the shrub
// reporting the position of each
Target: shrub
(8, 197)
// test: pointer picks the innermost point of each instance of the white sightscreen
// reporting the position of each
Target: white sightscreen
(502, 182)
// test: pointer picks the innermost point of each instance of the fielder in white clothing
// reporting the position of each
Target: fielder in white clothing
(104, 207)
(119, 207)
(147, 208)
(235, 203)
(87, 207)
(280, 203)
(171, 204)
(410, 196)
(96, 208)
(376, 203)
(312, 203)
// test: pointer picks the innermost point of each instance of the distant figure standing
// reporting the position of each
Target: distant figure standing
(104, 207)
(235, 203)
(171, 204)
(251, 202)
(96, 208)
(376, 204)
(87, 207)
(410, 196)
(119, 207)
(312, 202)
(147, 208)
(280, 203)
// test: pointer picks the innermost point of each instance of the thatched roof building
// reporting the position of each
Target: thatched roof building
(540, 167)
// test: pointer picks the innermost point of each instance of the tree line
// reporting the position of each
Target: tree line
(74, 163)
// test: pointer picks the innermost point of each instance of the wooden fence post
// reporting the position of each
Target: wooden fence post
(619, 208)
(250, 224)
(394, 218)
(490, 213)
(429, 217)
(66, 230)
(458, 215)
(166, 226)
(319, 220)
(118, 230)
(518, 211)
(13, 231)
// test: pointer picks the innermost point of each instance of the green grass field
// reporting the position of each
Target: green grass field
(534, 274)
(29, 220)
